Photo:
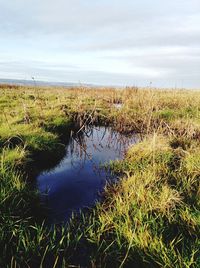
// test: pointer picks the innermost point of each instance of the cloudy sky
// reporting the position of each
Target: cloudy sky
(110, 42)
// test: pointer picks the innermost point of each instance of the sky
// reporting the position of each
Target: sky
(104, 42)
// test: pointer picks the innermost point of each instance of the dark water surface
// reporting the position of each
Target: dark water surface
(78, 179)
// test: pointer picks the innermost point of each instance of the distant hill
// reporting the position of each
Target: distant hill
(40, 83)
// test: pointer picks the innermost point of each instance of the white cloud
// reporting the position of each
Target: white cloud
(108, 42)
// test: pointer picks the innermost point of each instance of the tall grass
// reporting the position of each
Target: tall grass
(149, 218)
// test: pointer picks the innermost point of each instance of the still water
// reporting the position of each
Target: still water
(77, 181)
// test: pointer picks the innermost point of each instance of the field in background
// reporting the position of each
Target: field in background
(150, 218)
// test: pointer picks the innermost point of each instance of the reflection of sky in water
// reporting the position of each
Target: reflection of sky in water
(76, 181)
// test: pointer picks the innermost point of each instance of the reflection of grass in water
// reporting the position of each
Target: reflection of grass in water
(149, 219)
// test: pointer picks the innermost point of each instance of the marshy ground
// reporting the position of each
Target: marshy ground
(148, 218)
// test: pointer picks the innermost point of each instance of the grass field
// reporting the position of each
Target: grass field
(149, 218)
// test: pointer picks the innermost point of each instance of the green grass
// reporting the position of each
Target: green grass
(149, 218)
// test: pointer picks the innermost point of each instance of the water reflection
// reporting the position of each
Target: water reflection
(77, 180)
